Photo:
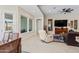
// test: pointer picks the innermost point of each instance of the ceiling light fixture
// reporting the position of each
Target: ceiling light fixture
(66, 10)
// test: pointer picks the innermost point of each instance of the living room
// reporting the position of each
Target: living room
(52, 14)
(61, 19)
(28, 20)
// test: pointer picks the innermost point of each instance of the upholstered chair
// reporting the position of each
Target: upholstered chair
(44, 37)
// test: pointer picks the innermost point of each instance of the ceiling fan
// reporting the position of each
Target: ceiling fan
(66, 10)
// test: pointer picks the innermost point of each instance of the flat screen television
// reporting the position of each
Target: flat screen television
(60, 23)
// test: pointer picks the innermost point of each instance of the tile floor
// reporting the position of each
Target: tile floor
(35, 45)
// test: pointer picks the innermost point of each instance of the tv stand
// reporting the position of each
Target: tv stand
(60, 30)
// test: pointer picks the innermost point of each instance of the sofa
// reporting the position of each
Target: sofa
(70, 38)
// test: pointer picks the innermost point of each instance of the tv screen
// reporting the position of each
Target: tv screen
(60, 23)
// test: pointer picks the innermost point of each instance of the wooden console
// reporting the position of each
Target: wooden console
(11, 47)
(61, 30)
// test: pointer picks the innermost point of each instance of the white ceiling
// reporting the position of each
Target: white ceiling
(52, 10)
(32, 9)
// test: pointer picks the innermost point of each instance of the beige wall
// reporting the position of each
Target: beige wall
(76, 17)
(12, 10)
(26, 14)
(17, 11)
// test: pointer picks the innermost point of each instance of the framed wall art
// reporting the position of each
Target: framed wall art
(75, 24)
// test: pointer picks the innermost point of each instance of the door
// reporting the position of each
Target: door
(38, 25)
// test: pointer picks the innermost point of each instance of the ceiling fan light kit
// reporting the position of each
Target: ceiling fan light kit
(67, 10)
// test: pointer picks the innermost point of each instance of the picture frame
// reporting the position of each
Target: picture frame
(50, 25)
(75, 24)
(71, 24)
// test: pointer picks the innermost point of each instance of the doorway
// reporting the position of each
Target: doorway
(38, 25)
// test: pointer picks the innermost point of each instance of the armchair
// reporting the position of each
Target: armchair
(44, 37)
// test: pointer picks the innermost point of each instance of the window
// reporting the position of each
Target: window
(23, 24)
(30, 24)
(8, 22)
(8, 16)
(9, 25)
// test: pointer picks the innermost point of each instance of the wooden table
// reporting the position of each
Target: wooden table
(13, 46)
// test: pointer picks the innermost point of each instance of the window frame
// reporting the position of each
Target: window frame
(8, 22)
(30, 20)
(24, 30)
